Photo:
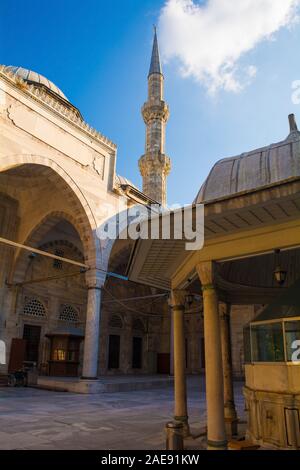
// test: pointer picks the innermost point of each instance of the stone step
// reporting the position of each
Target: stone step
(104, 385)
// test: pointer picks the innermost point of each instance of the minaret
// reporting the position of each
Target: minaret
(154, 165)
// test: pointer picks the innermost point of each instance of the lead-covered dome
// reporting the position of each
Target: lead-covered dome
(35, 78)
(253, 170)
(40, 82)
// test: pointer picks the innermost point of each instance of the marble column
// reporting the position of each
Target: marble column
(216, 434)
(171, 344)
(229, 405)
(92, 328)
(177, 300)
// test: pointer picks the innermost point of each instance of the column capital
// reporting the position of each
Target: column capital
(177, 299)
(206, 273)
(95, 278)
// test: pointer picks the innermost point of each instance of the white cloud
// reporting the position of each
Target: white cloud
(208, 38)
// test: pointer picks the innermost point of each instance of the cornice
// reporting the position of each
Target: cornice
(42, 97)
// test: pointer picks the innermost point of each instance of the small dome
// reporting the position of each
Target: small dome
(254, 170)
(122, 181)
(35, 79)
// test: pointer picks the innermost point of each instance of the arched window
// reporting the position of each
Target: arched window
(115, 322)
(34, 308)
(69, 314)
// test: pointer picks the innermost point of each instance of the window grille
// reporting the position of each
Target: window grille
(68, 314)
(34, 308)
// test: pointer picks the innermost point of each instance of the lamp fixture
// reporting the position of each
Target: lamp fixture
(280, 274)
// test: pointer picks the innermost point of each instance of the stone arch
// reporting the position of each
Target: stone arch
(62, 244)
(11, 161)
(85, 222)
(36, 235)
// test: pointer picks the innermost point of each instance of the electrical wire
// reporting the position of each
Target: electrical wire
(131, 309)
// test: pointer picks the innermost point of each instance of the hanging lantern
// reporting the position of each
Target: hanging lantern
(280, 274)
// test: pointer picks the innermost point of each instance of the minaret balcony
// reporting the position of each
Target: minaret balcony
(155, 110)
(154, 161)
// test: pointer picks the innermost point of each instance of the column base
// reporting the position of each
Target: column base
(216, 445)
(174, 435)
(185, 421)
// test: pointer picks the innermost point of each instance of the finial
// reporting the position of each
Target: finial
(293, 123)
(155, 66)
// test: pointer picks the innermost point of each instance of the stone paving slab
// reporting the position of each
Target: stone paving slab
(39, 419)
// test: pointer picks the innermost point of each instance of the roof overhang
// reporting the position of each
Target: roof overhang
(243, 222)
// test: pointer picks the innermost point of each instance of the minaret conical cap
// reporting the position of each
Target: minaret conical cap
(155, 66)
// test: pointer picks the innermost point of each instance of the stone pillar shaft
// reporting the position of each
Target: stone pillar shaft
(92, 328)
(180, 395)
(229, 406)
(216, 435)
(171, 345)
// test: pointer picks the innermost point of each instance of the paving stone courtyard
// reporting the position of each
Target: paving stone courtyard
(40, 419)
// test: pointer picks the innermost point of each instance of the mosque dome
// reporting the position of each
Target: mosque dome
(253, 170)
(38, 81)
(35, 79)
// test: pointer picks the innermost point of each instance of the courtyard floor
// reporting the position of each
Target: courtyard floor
(39, 419)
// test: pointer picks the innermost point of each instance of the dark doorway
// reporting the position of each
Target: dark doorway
(137, 352)
(32, 335)
(114, 352)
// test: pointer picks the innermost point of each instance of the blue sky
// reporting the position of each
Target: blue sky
(98, 53)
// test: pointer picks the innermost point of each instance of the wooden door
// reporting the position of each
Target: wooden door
(17, 354)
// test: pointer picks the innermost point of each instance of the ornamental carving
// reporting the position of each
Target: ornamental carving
(155, 111)
(150, 163)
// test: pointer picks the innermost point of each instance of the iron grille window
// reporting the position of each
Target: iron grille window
(34, 308)
(69, 314)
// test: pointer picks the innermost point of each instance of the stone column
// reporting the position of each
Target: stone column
(171, 344)
(95, 282)
(229, 406)
(177, 300)
(216, 435)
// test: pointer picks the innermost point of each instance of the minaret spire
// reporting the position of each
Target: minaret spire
(155, 66)
(154, 164)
